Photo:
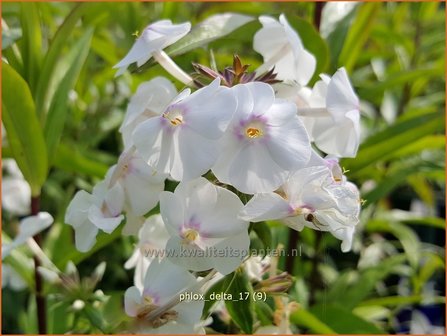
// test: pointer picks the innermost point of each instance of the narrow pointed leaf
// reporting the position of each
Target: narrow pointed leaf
(57, 112)
(24, 133)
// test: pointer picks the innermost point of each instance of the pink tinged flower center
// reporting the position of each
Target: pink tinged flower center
(174, 117)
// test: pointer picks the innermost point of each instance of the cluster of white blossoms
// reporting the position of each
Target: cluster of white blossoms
(219, 142)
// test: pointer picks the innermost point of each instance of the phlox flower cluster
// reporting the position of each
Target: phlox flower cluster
(221, 144)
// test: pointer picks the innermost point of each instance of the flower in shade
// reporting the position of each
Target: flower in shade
(205, 231)
(152, 239)
(16, 192)
(310, 198)
(333, 119)
(151, 99)
(183, 139)
(281, 47)
(28, 227)
(100, 210)
(156, 308)
(264, 142)
(154, 38)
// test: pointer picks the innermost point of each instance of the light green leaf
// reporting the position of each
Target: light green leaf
(211, 29)
(24, 133)
(54, 123)
(31, 42)
(47, 76)
(343, 321)
(304, 318)
(70, 159)
(358, 34)
(403, 300)
(383, 144)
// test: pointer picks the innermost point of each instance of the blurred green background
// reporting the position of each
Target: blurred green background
(395, 56)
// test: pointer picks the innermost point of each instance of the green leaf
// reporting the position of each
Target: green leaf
(54, 123)
(313, 42)
(264, 313)
(241, 307)
(47, 75)
(102, 240)
(69, 158)
(343, 321)
(31, 42)
(432, 264)
(306, 319)
(383, 144)
(403, 300)
(264, 233)
(24, 133)
(211, 29)
(358, 34)
(407, 237)
(351, 288)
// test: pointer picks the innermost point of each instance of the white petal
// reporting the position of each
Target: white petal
(263, 97)
(239, 247)
(189, 312)
(164, 280)
(151, 97)
(210, 115)
(77, 210)
(139, 50)
(132, 301)
(267, 206)
(107, 224)
(196, 155)
(253, 170)
(289, 145)
(32, 225)
(145, 137)
(340, 95)
(188, 256)
(85, 236)
(172, 212)
(16, 195)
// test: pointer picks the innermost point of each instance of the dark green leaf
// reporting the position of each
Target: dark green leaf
(241, 307)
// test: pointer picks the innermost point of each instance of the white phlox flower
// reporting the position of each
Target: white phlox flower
(140, 183)
(100, 210)
(264, 142)
(256, 267)
(152, 239)
(16, 192)
(154, 38)
(333, 117)
(151, 99)
(157, 308)
(205, 231)
(281, 47)
(28, 227)
(183, 139)
(310, 198)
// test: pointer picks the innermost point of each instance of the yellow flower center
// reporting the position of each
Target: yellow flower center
(174, 116)
(190, 235)
(253, 132)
